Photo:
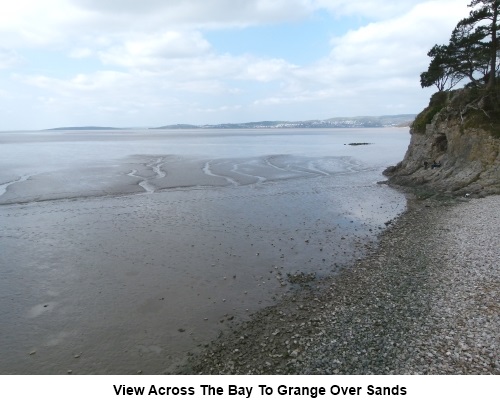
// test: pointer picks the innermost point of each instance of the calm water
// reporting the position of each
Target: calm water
(123, 250)
(24, 153)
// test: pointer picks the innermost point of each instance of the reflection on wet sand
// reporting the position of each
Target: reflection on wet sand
(122, 251)
(149, 174)
(127, 268)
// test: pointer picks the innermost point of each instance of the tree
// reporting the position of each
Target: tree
(441, 72)
(472, 52)
(485, 20)
(469, 56)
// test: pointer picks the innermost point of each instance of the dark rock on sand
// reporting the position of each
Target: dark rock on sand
(426, 302)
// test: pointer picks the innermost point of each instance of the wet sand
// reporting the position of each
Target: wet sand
(126, 268)
(425, 302)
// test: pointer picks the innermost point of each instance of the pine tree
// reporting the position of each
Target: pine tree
(472, 52)
(441, 72)
(487, 12)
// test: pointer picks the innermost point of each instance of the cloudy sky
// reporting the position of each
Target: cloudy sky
(157, 62)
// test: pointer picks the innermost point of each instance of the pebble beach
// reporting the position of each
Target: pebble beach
(425, 302)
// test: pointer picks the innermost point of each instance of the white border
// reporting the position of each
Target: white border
(86, 390)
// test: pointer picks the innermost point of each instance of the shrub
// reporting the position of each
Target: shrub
(438, 101)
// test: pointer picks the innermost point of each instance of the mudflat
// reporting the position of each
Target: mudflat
(128, 268)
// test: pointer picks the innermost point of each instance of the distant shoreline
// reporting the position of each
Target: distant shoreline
(384, 121)
(90, 128)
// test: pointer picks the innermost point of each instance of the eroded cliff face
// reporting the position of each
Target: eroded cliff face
(458, 131)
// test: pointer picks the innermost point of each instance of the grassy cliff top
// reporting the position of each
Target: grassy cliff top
(476, 107)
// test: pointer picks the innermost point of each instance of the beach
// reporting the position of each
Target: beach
(425, 302)
(122, 253)
(239, 262)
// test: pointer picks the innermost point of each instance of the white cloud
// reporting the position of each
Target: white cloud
(367, 8)
(200, 13)
(381, 57)
(36, 23)
(201, 87)
(100, 98)
(223, 108)
(153, 55)
(80, 84)
(267, 70)
(8, 58)
(80, 53)
(88, 23)
(153, 50)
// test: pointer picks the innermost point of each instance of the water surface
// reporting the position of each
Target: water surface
(123, 250)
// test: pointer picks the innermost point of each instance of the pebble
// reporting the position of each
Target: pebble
(424, 302)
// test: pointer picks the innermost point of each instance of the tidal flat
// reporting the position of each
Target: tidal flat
(124, 252)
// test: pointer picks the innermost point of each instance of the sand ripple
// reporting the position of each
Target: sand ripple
(150, 174)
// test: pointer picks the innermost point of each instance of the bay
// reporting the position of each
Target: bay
(122, 251)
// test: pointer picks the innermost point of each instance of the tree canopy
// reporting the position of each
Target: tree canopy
(472, 53)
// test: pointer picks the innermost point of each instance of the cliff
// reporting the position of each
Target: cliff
(460, 131)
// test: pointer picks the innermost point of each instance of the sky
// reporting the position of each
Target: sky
(131, 63)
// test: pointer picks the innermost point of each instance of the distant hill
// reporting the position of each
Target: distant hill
(81, 129)
(382, 121)
(338, 122)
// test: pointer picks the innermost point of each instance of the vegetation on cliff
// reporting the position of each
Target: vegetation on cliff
(455, 143)
(477, 107)
(437, 103)
(472, 53)
(472, 56)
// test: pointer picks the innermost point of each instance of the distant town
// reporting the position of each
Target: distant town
(383, 121)
(339, 122)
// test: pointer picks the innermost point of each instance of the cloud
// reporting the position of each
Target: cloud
(384, 56)
(80, 53)
(81, 83)
(267, 70)
(8, 58)
(200, 13)
(32, 23)
(367, 8)
(153, 55)
(154, 50)
(396, 46)
(223, 108)
(29, 23)
(100, 98)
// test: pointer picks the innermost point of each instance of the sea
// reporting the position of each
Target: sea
(123, 251)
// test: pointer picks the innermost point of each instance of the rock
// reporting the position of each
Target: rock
(460, 139)
(418, 305)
